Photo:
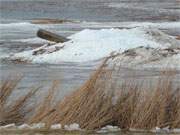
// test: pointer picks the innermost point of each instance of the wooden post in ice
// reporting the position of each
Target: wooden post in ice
(51, 36)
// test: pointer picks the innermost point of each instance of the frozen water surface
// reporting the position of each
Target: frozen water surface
(18, 34)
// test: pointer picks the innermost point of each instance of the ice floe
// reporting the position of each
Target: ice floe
(148, 57)
(72, 127)
(24, 126)
(35, 40)
(38, 125)
(161, 130)
(90, 45)
(109, 128)
(56, 126)
(12, 125)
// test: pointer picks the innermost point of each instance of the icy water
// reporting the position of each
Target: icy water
(92, 10)
(17, 34)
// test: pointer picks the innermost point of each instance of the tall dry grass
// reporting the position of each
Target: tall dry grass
(13, 112)
(102, 101)
(45, 107)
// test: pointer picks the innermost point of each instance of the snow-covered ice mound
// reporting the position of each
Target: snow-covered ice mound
(147, 57)
(90, 45)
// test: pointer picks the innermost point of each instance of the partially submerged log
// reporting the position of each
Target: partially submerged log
(51, 36)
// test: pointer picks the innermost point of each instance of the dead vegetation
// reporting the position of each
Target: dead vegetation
(14, 112)
(101, 101)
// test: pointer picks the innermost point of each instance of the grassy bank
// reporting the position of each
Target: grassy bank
(101, 101)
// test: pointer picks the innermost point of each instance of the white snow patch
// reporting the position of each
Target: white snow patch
(24, 126)
(143, 57)
(56, 126)
(169, 62)
(8, 126)
(35, 40)
(161, 130)
(17, 24)
(109, 128)
(72, 127)
(38, 125)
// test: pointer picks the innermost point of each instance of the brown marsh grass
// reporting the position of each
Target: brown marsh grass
(14, 112)
(102, 101)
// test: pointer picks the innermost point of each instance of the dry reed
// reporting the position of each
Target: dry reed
(102, 101)
(15, 112)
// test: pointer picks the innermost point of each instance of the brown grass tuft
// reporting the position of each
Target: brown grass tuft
(14, 112)
(102, 101)
(44, 108)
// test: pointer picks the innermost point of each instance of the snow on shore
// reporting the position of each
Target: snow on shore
(76, 127)
(90, 45)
